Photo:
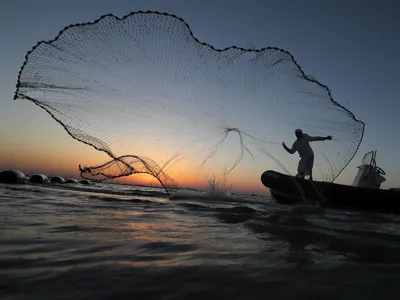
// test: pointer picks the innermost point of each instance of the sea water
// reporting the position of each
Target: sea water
(109, 241)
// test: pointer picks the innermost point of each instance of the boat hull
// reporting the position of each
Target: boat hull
(291, 190)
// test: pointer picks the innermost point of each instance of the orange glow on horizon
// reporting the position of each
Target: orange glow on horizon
(61, 155)
(55, 163)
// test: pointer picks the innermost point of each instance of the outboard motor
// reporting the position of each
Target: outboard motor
(369, 175)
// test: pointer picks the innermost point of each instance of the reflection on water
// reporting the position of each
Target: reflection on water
(66, 243)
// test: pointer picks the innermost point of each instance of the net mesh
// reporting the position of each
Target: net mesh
(144, 90)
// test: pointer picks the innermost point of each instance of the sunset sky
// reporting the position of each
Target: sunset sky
(351, 46)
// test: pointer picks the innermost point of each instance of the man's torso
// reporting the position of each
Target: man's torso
(302, 146)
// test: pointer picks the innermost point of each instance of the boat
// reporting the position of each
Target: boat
(364, 194)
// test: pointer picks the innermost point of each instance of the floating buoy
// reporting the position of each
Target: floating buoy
(70, 180)
(38, 178)
(85, 181)
(57, 179)
(12, 176)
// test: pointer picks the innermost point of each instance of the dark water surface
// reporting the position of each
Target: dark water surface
(118, 242)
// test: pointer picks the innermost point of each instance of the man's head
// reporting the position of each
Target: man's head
(298, 133)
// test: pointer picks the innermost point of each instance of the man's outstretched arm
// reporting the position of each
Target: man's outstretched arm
(319, 138)
(291, 151)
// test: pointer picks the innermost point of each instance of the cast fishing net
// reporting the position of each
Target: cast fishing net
(158, 101)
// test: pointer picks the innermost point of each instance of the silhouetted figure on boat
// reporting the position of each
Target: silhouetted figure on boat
(302, 146)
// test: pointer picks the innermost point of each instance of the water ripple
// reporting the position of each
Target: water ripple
(106, 243)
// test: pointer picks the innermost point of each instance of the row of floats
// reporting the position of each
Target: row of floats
(16, 177)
